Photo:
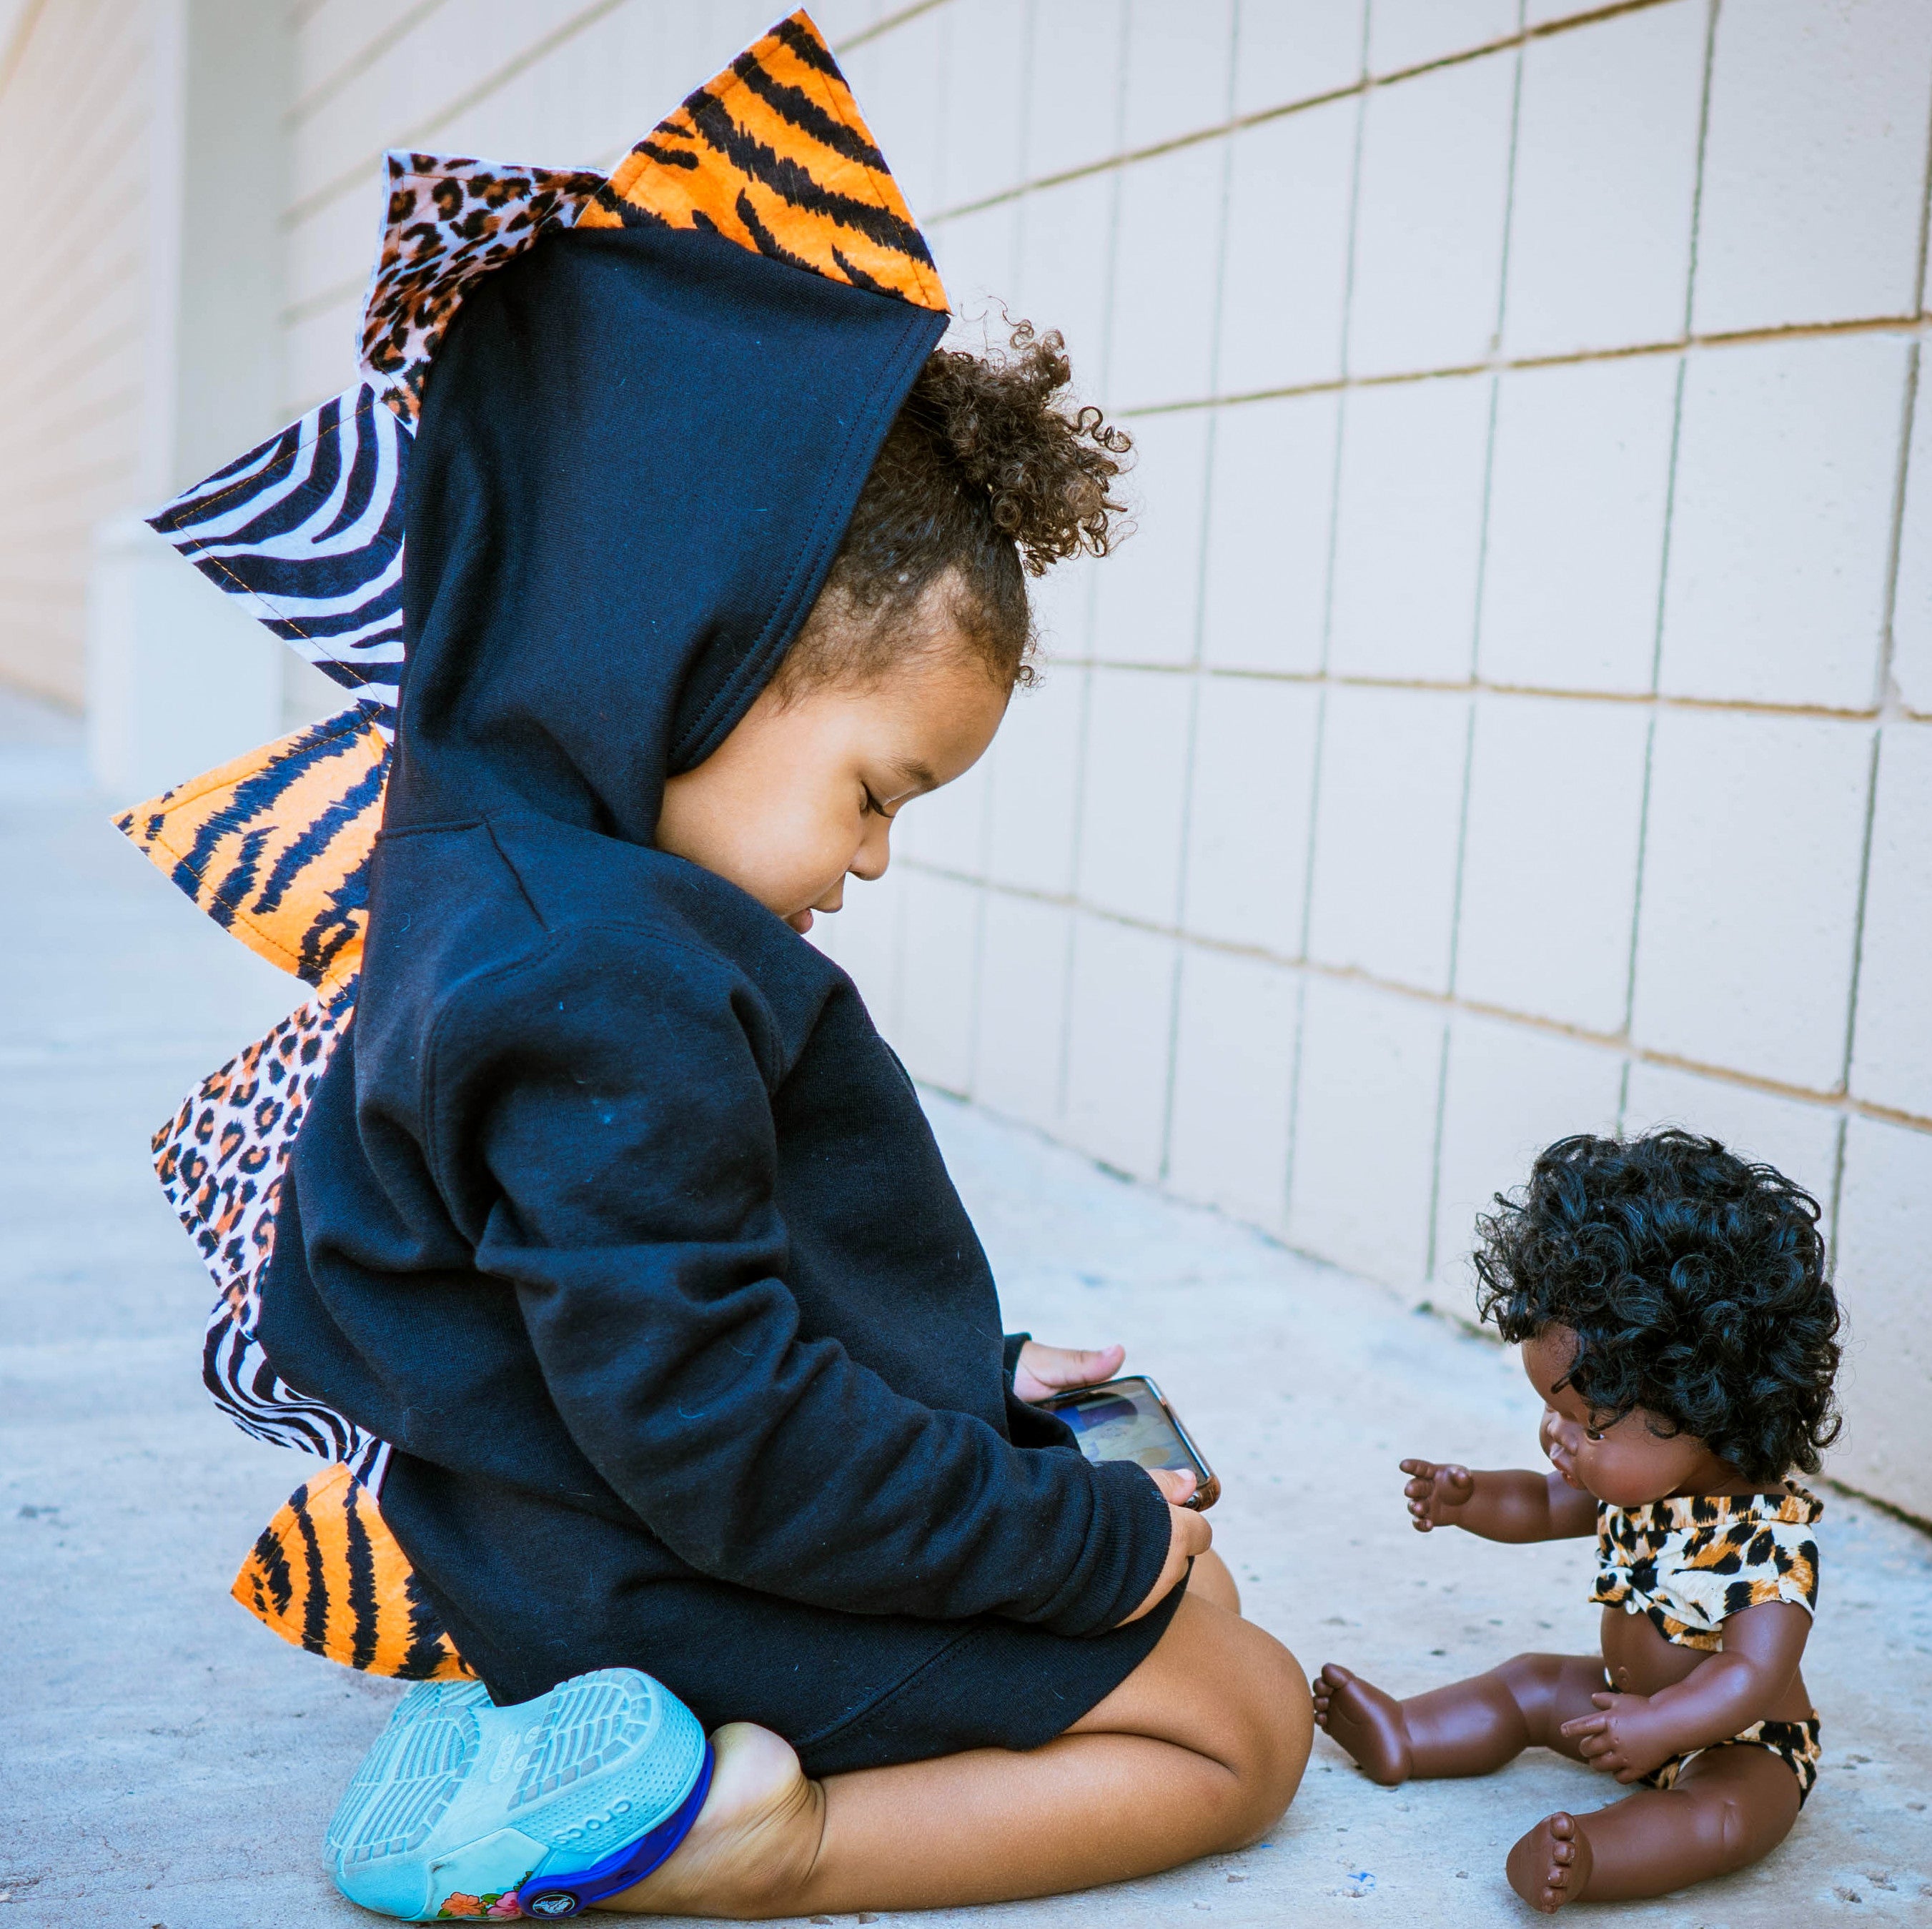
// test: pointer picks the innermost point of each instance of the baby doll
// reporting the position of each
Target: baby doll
(1671, 1303)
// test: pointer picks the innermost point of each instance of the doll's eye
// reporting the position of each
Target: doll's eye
(1592, 1433)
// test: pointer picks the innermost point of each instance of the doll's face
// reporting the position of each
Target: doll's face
(804, 789)
(1628, 1462)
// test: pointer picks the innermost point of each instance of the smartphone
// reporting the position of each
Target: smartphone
(1130, 1419)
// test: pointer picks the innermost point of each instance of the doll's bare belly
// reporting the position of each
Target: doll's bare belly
(1640, 1661)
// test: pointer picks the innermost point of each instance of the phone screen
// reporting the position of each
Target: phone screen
(1127, 1420)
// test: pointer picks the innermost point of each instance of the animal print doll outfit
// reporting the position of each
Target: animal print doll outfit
(1691, 1563)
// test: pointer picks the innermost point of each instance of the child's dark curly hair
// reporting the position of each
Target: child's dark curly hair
(990, 472)
(1694, 1282)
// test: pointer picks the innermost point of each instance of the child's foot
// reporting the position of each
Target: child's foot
(1551, 1865)
(753, 1846)
(464, 1808)
(1366, 1722)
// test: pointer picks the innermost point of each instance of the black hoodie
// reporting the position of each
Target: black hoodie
(612, 1212)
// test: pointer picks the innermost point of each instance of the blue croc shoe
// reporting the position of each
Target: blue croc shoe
(463, 1810)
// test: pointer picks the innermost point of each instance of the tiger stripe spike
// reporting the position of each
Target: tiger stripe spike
(774, 154)
(327, 1575)
(275, 846)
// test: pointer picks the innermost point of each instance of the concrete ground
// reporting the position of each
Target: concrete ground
(168, 1763)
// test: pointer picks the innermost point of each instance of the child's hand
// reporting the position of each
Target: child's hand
(1435, 1492)
(1621, 1739)
(1044, 1371)
(1188, 1535)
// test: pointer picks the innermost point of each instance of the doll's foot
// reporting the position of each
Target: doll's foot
(1366, 1722)
(751, 1850)
(1551, 1865)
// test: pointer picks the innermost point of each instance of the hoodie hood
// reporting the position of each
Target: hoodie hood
(634, 466)
(655, 398)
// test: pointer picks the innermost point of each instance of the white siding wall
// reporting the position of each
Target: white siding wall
(1514, 714)
(76, 104)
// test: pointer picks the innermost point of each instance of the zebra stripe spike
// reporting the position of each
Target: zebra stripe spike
(306, 532)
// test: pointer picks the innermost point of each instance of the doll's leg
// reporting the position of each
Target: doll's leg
(1197, 1752)
(1731, 1806)
(1471, 1728)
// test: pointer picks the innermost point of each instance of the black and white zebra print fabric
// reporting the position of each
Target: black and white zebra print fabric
(306, 531)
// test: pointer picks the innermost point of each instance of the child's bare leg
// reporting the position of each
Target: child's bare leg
(1470, 1729)
(1730, 1807)
(1199, 1751)
(1209, 1580)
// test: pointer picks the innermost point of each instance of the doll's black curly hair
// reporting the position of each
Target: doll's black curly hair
(990, 473)
(1695, 1283)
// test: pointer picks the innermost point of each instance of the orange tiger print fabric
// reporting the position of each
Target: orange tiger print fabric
(774, 155)
(327, 1575)
(1691, 1562)
(274, 846)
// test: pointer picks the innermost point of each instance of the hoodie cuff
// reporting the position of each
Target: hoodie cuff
(1126, 1548)
(1014, 1342)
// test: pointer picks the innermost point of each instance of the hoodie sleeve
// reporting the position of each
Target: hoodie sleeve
(600, 1125)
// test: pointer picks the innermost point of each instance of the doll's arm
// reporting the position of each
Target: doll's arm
(1513, 1505)
(1632, 1734)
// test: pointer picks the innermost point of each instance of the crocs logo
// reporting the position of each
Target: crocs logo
(506, 1757)
(550, 1904)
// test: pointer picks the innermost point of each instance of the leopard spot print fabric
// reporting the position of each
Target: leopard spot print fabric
(449, 220)
(1691, 1563)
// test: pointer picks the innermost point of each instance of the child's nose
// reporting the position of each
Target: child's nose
(874, 853)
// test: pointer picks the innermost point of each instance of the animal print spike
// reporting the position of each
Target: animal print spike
(449, 220)
(327, 1575)
(275, 846)
(306, 533)
(774, 154)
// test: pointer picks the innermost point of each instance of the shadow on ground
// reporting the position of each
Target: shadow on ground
(170, 1763)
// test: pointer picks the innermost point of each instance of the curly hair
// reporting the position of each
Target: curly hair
(990, 473)
(1695, 1283)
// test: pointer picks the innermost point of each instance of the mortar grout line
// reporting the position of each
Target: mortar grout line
(359, 61)
(1356, 679)
(1260, 116)
(1198, 626)
(1697, 177)
(1916, 326)
(1872, 770)
(880, 29)
(306, 206)
(1839, 1138)
(1618, 1042)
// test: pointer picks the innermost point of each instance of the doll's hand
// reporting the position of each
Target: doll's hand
(1622, 1739)
(1188, 1535)
(1044, 1371)
(1435, 1493)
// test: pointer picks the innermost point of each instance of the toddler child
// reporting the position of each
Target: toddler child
(613, 1213)
(1675, 1317)
(586, 1222)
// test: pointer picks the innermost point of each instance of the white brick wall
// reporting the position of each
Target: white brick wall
(1514, 714)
